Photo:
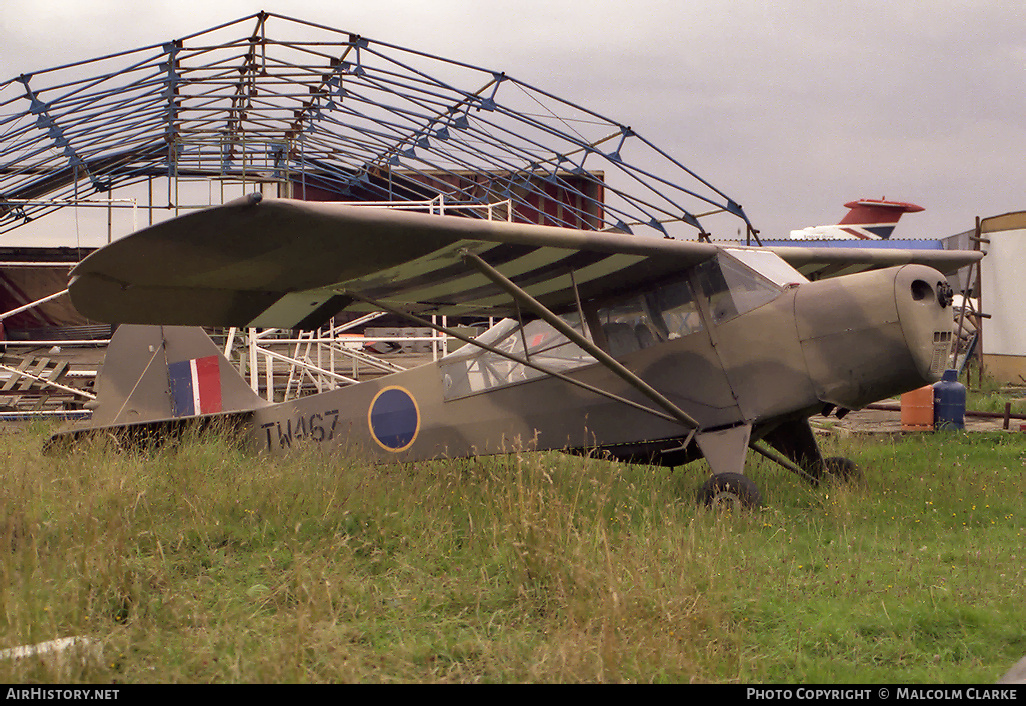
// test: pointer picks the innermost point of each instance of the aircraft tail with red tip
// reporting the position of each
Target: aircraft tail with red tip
(867, 219)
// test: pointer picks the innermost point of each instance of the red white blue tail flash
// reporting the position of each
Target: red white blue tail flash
(196, 386)
(867, 219)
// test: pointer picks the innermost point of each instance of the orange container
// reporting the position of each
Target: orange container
(917, 410)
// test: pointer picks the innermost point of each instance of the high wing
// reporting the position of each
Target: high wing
(823, 262)
(294, 264)
(289, 264)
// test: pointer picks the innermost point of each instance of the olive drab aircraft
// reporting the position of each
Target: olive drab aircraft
(643, 349)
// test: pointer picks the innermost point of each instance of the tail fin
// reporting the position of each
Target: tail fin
(160, 373)
(867, 219)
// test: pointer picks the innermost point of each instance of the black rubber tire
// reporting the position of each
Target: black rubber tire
(729, 491)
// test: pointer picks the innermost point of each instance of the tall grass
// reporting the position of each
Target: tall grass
(203, 563)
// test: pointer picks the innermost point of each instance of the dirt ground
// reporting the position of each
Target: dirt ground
(889, 421)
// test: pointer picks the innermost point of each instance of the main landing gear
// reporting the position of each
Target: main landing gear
(794, 447)
(735, 491)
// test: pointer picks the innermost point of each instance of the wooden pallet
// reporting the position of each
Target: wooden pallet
(32, 383)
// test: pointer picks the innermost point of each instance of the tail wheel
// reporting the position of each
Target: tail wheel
(842, 469)
(729, 491)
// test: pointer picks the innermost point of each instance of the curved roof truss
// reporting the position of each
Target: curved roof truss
(268, 97)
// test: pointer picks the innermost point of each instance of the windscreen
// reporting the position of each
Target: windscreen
(733, 288)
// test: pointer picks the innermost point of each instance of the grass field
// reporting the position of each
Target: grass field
(206, 564)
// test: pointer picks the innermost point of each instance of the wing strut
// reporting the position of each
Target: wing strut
(613, 365)
(509, 356)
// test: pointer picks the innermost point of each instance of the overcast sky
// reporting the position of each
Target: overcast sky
(791, 108)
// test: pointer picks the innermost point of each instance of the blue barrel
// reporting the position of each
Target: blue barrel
(949, 402)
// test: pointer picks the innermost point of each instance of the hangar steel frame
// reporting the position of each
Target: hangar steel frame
(272, 98)
(269, 102)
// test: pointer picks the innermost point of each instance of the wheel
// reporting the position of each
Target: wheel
(842, 469)
(727, 491)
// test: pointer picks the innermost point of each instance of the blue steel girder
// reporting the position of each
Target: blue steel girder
(44, 121)
(356, 115)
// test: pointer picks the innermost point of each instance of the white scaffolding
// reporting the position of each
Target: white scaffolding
(278, 364)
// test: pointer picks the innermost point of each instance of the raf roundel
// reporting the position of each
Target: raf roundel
(394, 419)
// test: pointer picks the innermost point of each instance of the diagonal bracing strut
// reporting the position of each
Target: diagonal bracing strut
(613, 365)
(509, 356)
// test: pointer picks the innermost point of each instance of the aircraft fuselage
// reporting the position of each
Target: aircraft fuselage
(844, 342)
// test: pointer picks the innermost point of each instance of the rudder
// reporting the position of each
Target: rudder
(158, 373)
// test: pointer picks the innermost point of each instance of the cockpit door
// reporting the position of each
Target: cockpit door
(752, 329)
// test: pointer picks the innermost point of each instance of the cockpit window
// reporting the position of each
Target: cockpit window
(628, 326)
(470, 369)
(770, 265)
(663, 314)
(733, 288)
(677, 310)
(666, 312)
